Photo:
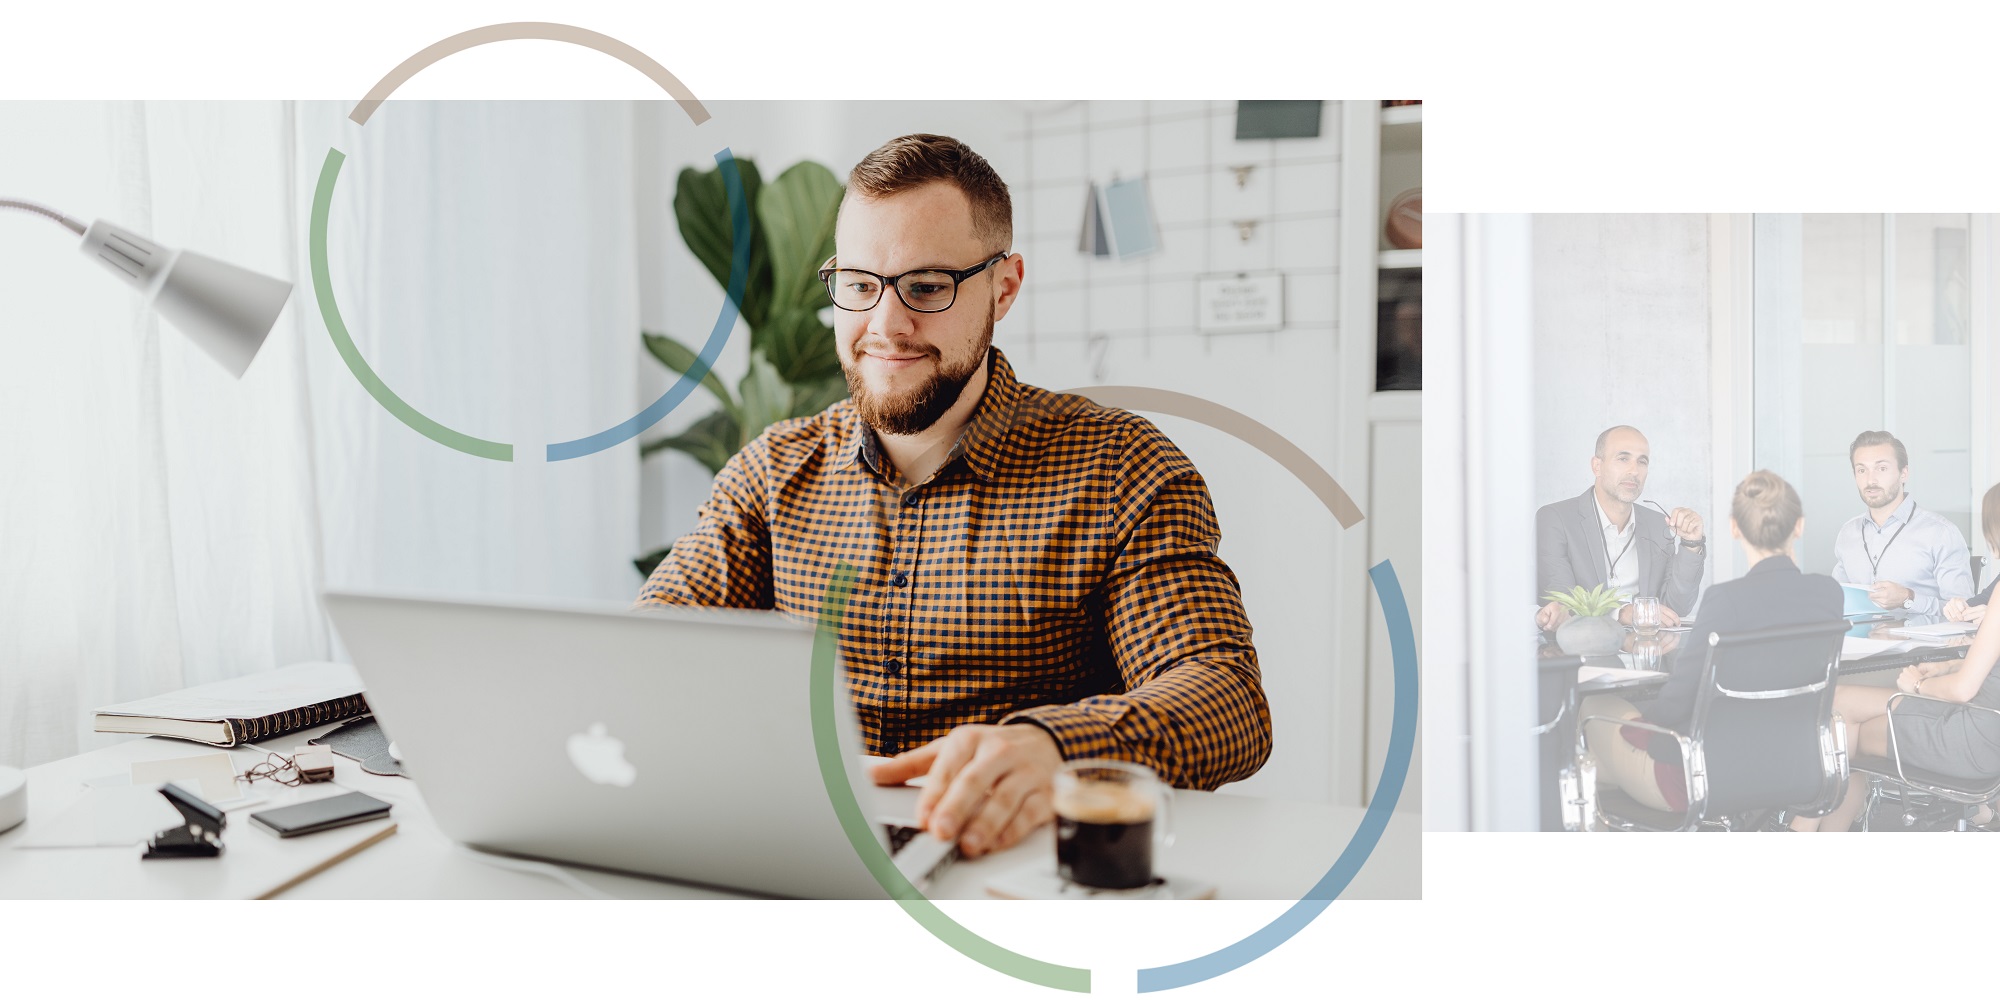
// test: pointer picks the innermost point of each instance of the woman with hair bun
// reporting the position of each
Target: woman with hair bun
(1767, 519)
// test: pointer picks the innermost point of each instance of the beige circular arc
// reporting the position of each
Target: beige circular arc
(1228, 421)
(542, 30)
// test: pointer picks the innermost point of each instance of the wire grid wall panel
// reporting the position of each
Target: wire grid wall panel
(1203, 185)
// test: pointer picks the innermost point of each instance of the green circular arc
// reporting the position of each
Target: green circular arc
(826, 745)
(329, 311)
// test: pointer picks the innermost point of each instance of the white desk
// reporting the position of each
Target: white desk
(1251, 848)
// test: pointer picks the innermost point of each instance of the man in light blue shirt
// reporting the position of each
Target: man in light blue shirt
(1910, 558)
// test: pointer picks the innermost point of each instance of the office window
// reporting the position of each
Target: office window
(1863, 322)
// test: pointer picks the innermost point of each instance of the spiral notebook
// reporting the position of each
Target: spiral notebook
(247, 708)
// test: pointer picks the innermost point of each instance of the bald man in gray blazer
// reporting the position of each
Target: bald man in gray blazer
(1604, 537)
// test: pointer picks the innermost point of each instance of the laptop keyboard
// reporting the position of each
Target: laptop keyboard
(899, 836)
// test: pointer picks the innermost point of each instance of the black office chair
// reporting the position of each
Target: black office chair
(1761, 738)
(1924, 800)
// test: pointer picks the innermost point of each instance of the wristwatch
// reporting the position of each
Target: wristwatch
(1697, 544)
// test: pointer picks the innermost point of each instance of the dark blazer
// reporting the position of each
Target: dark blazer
(1983, 596)
(1569, 551)
(1772, 594)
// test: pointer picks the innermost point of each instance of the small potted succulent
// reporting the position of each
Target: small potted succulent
(1591, 627)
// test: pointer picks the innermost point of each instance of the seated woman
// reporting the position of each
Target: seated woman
(1942, 737)
(1766, 517)
(1973, 609)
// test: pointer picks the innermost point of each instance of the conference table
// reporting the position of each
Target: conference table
(1561, 688)
(1247, 847)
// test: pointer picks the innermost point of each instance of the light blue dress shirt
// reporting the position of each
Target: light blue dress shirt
(1915, 547)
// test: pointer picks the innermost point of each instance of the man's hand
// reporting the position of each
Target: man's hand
(989, 785)
(1686, 523)
(1551, 616)
(1890, 595)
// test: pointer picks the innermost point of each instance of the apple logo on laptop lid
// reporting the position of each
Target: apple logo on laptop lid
(600, 756)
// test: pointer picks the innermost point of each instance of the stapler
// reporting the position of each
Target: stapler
(199, 837)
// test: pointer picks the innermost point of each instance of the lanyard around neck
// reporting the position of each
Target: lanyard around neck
(1611, 564)
(1875, 559)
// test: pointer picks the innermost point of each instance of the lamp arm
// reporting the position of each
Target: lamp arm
(43, 210)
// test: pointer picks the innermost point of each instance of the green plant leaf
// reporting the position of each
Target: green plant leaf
(651, 561)
(767, 398)
(813, 397)
(701, 207)
(798, 345)
(681, 358)
(796, 212)
(710, 441)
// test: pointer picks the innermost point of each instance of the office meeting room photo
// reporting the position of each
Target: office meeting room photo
(1734, 551)
(686, 499)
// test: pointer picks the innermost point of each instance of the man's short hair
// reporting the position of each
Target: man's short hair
(1606, 436)
(914, 160)
(1869, 439)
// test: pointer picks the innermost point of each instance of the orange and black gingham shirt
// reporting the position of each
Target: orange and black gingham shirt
(1058, 568)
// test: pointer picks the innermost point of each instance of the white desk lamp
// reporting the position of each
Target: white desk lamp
(226, 310)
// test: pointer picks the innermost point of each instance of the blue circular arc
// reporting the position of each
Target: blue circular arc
(1395, 769)
(725, 321)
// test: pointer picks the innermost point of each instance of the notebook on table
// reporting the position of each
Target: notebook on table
(243, 709)
(1938, 630)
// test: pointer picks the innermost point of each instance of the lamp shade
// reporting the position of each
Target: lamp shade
(226, 310)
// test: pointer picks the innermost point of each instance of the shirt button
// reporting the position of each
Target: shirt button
(900, 579)
(911, 499)
(892, 666)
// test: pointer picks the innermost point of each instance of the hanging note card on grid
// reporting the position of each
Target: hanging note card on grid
(1128, 213)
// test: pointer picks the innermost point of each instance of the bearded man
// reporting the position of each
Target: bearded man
(1037, 578)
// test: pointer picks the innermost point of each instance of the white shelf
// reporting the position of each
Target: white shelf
(1408, 114)
(1398, 260)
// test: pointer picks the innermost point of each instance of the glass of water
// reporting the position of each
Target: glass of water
(1646, 616)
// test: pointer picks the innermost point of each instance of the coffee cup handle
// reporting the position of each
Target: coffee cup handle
(1166, 826)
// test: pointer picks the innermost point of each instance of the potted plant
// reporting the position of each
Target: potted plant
(794, 368)
(1591, 627)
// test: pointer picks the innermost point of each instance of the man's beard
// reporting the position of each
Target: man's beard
(1885, 499)
(915, 410)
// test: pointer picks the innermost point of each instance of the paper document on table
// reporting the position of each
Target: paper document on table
(1857, 648)
(214, 772)
(107, 817)
(1585, 675)
(1939, 630)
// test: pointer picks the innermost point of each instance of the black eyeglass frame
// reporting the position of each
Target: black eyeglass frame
(828, 270)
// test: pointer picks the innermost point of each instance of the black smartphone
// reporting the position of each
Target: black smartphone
(321, 814)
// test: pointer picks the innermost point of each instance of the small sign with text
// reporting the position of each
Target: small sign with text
(1241, 303)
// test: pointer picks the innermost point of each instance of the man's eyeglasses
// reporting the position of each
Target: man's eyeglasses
(927, 291)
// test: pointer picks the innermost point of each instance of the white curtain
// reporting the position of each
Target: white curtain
(162, 525)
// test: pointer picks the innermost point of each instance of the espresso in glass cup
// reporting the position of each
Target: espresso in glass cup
(1110, 814)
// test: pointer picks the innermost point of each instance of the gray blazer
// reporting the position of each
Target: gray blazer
(1569, 551)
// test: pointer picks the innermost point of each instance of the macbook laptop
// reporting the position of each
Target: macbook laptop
(674, 742)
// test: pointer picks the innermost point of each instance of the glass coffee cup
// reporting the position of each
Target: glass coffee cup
(1110, 816)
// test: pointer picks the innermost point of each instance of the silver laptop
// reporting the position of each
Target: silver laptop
(671, 742)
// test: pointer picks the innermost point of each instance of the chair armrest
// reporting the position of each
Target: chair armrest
(1691, 761)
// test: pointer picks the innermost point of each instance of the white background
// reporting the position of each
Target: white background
(1581, 106)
